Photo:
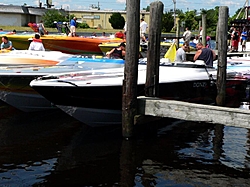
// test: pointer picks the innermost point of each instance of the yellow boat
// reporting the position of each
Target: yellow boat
(105, 47)
(66, 44)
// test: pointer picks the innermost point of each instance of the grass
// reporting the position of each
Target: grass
(11, 28)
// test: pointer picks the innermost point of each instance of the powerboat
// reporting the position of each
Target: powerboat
(15, 79)
(66, 44)
(28, 57)
(95, 97)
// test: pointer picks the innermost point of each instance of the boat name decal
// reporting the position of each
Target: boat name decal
(199, 84)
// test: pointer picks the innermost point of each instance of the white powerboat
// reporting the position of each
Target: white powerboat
(95, 97)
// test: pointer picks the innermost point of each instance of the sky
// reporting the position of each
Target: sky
(184, 5)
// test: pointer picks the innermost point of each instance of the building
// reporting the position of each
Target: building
(12, 15)
(100, 18)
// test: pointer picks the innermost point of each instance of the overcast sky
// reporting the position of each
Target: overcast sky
(184, 5)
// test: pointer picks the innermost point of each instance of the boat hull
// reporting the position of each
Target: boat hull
(15, 91)
(96, 107)
(96, 99)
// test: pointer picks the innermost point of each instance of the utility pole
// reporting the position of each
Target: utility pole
(174, 1)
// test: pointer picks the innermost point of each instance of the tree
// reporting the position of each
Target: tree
(117, 21)
(53, 15)
(167, 22)
(190, 19)
(147, 9)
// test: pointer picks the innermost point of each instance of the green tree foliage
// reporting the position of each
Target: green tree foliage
(117, 21)
(147, 9)
(190, 20)
(167, 22)
(83, 25)
(53, 15)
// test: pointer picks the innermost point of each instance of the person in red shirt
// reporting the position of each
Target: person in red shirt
(119, 35)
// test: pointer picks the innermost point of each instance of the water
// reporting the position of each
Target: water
(53, 149)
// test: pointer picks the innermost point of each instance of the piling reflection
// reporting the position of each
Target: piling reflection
(52, 149)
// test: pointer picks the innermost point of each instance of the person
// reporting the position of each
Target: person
(187, 35)
(118, 52)
(229, 38)
(119, 35)
(181, 53)
(93, 34)
(196, 39)
(41, 28)
(125, 29)
(235, 40)
(36, 44)
(143, 29)
(243, 39)
(6, 44)
(73, 27)
(205, 54)
(208, 39)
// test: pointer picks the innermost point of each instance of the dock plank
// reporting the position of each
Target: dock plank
(194, 112)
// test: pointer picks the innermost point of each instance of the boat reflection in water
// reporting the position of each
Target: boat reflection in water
(52, 149)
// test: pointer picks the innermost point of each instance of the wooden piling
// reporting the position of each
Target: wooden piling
(204, 29)
(222, 55)
(178, 34)
(153, 53)
(131, 68)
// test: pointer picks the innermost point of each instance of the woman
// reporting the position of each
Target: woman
(118, 52)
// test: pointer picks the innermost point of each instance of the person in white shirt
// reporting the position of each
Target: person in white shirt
(143, 29)
(36, 44)
(181, 53)
(187, 35)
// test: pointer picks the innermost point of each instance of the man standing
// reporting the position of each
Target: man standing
(73, 27)
(143, 29)
(205, 54)
(187, 35)
(243, 39)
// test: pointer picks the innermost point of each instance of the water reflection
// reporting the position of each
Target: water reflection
(52, 149)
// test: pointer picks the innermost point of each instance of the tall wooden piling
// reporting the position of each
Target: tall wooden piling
(222, 55)
(131, 68)
(204, 29)
(153, 53)
(178, 34)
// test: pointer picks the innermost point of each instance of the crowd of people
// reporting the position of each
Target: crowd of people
(203, 52)
(235, 36)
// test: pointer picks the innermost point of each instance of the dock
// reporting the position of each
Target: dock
(150, 106)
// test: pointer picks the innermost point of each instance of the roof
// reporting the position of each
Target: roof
(15, 9)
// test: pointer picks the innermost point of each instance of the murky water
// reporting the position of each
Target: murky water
(52, 149)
